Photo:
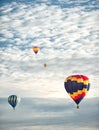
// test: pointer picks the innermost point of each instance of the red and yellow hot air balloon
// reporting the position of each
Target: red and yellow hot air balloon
(77, 86)
(36, 49)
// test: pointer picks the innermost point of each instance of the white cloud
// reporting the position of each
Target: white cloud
(68, 40)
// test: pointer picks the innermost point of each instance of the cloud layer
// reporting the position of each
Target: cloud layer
(67, 34)
(46, 114)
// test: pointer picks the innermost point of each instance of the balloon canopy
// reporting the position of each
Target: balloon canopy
(36, 49)
(77, 87)
(13, 100)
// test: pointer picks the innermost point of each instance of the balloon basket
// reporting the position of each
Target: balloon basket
(77, 106)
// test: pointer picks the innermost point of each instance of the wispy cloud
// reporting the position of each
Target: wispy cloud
(68, 38)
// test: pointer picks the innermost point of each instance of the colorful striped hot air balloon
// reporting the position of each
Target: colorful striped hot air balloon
(13, 100)
(77, 86)
(36, 49)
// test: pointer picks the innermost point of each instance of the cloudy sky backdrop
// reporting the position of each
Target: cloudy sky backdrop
(67, 32)
(68, 36)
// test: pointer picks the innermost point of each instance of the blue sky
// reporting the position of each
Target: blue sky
(67, 34)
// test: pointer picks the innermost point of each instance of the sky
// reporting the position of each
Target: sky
(68, 36)
(49, 114)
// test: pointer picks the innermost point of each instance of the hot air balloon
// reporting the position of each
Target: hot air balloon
(77, 86)
(13, 100)
(36, 49)
(45, 65)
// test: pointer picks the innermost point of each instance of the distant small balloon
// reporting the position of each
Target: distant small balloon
(36, 49)
(45, 65)
(13, 100)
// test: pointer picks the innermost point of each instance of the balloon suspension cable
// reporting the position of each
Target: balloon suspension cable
(77, 106)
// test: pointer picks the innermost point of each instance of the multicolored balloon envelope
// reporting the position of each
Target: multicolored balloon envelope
(77, 86)
(36, 49)
(13, 100)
